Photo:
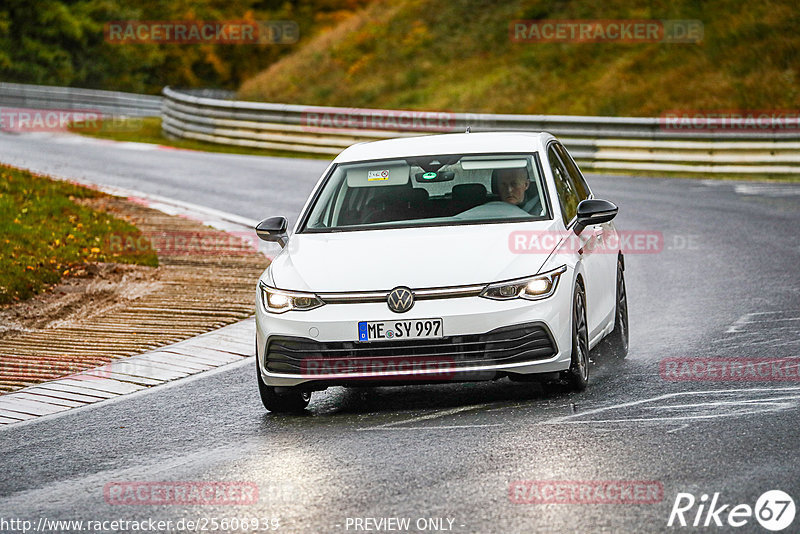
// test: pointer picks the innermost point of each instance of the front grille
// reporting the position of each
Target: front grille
(512, 344)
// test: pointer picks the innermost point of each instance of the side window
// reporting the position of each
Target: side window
(567, 196)
(577, 179)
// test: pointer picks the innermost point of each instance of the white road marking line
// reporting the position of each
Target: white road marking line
(770, 328)
(8, 420)
(723, 403)
(762, 407)
(743, 320)
(435, 415)
(182, 363)
(742, 337)
(677, 429)
(770, 190)
(734, 329)
(437, 427)
(50, 400)
(777, 320)
(676, 418)
(83, 399)
(146, 370)
(122, 377)
(17, 416)
(141, 360)
(569, 418)
(131, 145)
(108, 385)
(171, 354)
(58, 386)
(784, 344)
(30, 406)
(770, 342)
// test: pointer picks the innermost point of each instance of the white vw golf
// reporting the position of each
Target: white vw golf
(456, 257)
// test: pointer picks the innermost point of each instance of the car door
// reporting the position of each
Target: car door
(572, 189)
(606, 241)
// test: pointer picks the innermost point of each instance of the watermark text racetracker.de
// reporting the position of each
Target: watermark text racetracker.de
(49, 120)
(597, 240)
(731, 120)
(189, 243)
(586, 492)
(378, 119)
(378, 367)
(730, 369)
(61, 120)
(199, 524)
(181, 493)
(316, 119)
(606, 31)
(201, 32)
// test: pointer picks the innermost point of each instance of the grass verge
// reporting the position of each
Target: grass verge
(148, 130)
(45, 234)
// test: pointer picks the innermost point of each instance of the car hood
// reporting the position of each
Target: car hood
(414, 257)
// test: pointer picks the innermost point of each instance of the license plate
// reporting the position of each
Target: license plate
(399, 330)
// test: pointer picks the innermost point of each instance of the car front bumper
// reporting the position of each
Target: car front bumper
(480, 342)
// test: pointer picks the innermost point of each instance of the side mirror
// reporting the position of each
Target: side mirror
(594, 211)
(273, 229)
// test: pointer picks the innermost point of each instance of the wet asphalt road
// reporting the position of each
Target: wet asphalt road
(724, 285)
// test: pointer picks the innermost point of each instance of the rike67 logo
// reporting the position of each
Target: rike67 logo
(774, 510)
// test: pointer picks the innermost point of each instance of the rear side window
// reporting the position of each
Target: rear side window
(567, 195)
(574, 173)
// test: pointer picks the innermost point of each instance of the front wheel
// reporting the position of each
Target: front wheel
(291, 400)
(577, 376)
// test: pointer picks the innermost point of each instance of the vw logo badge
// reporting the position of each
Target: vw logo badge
(400, 299)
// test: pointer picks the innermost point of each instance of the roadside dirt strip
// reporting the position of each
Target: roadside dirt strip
(205, 280)
(129, 375)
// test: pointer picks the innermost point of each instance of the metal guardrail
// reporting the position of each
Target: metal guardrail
(112, 103)
(609, 144)
(605, 144)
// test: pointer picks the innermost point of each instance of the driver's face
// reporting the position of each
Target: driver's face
(512, 184)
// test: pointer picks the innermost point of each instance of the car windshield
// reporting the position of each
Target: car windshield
(429, 191)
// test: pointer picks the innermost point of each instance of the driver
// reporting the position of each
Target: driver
(512, 184)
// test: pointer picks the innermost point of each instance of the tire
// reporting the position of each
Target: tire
(577, 376)
(291, 400)
(617, 340)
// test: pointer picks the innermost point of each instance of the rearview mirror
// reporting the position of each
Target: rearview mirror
(594, 211)
(273, 229)
(441, 176)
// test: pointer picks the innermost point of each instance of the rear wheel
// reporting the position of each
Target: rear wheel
(577, 376)
(617, 340)
(289, 400)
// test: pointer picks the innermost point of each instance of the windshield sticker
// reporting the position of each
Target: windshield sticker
(377, 176)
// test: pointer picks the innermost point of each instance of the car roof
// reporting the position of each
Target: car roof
(461, 143)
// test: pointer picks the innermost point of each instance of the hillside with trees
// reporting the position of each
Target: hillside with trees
(62, 42)
(457, 55)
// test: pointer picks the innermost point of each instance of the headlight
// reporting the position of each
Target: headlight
(536, 287)
(280, 301)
